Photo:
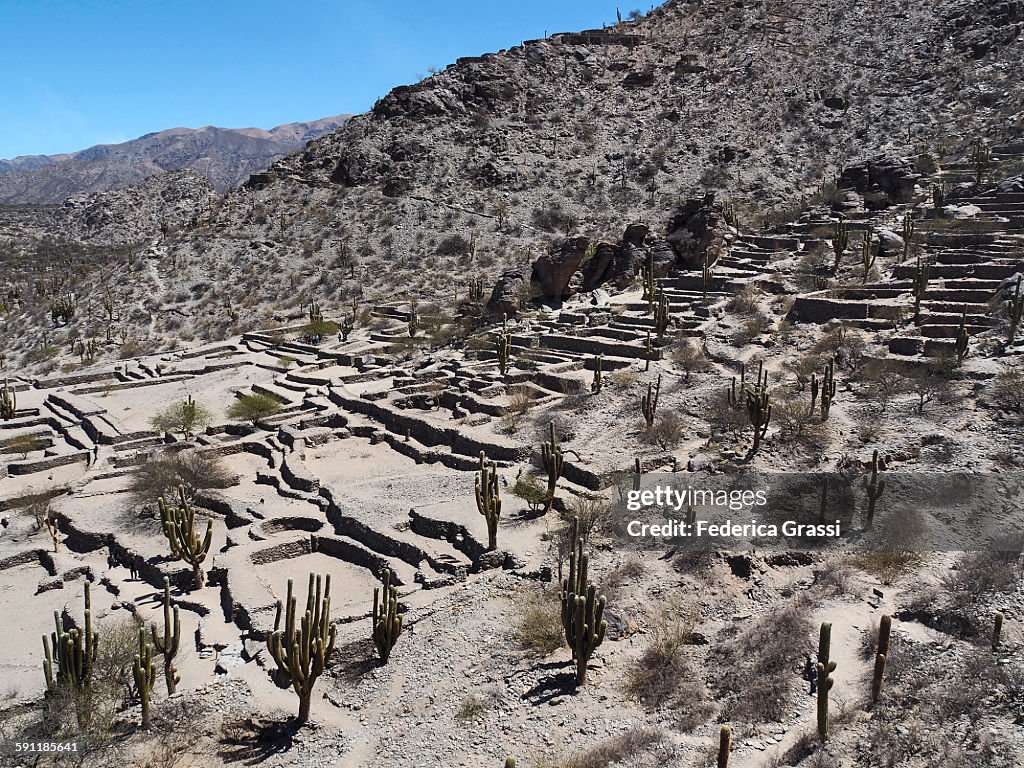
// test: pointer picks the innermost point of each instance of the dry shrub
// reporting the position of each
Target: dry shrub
(664, 678)
(538, 622)
(723, 417)
(629, 746)
(797, 423)
(478, 703)
(1007, 390)
(193, 470)
(833, 577)
(593, 514)
(688, 357)
(630, 571)
(745, 301)
(887, 565)
(668, 430)
(529, 489)
(520, 399)
(624, 378)
(758, 666)
(980, 574)
(803, 367)
(959, 607)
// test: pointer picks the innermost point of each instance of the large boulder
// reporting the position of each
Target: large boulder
(597, 266)
(882, 180)
(553, 271)
(619, 265)
(636, 234)
(629, 260)
(1011, 186)
(693, 229)
(507, 295)
(664, 257)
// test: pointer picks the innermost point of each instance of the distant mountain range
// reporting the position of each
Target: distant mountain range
(225, 156)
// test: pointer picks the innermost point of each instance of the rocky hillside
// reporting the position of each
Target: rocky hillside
(161, 204)
(583, 133)
(225, 156)
(481, 169)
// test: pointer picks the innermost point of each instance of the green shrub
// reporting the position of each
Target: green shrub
(253, 407)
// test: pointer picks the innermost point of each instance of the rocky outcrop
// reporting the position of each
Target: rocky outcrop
(166, 202)
(619, 265)
(553, 272)
(882, 181)
(507, 296)
(695, 228)
(596, 270)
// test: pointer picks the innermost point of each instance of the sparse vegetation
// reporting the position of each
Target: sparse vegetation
(553, 271)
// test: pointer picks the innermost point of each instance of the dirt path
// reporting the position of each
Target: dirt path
(848, 620)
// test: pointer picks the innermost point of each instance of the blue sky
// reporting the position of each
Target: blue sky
(84, 72)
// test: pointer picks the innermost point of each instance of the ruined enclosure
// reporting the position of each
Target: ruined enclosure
(430, 355)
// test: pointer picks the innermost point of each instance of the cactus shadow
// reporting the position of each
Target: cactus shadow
(524, 515)
(353, 661)
(250, 741)
(552, 686)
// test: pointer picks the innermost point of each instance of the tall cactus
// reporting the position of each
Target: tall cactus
(724, 746)
(582, 608)
(825, 669)
(828, 390)
(759, 409)
(316, 317)
(881, 655)
(997, 630)
(387, 622)
(649, 402)
(167, 644)
(908, 233)
(868, 257)
(53, 529)
(662, 315)
(414, 321)
(876, 488)
(1015, 309)
(301, 652)
(179, 528)
(145, 674)
(504, 347)
(648, 282)
(707, 277)
(68, 659)
(554, 463)
(981, 157)
(488, 499)
(8, 402)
